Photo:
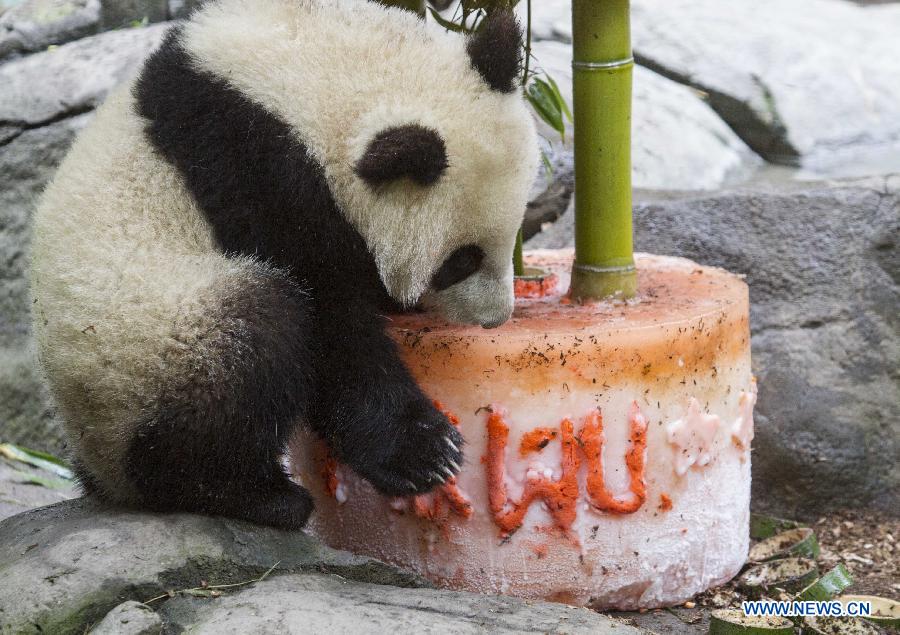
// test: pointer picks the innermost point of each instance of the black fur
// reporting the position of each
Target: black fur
(411, 151)
(213, 444)
(461, 264)
(496, 51)
(265, 196)
(83, 477)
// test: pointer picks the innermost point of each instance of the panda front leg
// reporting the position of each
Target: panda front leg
(372, 413)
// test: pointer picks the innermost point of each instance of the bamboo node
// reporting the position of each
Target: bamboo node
(602, 66)
(622, 269)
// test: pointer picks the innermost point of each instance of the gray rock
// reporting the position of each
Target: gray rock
(26, 164)
(36, 24)
(73, 78)
(129, 618)
(823, 76)
(20, 493)
(319, 603)
(550, 19)
(810, 81)
(66, 566)
(823, 270)
(26, 412)
(182, 8)
(678, 142)
(122, 13)
(33, 25)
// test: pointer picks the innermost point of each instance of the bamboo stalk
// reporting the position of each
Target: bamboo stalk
(518, 261)
(602, 72)
(416, 6)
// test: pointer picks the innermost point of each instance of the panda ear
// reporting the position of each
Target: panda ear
(496, 51)
(410, 151)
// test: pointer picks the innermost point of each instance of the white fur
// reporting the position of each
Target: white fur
(126, 273)
(126, 280)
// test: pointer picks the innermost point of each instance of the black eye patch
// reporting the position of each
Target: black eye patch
(411, 151)
(461, 264)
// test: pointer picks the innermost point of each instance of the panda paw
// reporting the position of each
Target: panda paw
(426, 452)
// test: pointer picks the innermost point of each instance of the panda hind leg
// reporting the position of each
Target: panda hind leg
(214, 440)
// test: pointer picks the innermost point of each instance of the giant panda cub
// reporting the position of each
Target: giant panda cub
(213, 262)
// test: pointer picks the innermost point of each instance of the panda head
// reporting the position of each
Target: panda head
(425, 141)
(439, 181)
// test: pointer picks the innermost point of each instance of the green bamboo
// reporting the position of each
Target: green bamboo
(518, 260)
(416, 6)
(603, 65)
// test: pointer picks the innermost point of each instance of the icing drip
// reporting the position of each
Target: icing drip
(438, 505)
(665, 503)
(693, 437)
(742, 428)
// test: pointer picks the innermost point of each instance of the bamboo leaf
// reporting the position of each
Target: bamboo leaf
(762, 526)
(35, 458)
(552, 93)
(539, 95)
(547, 165)
(447, 24)
(50, 482)
(559, 98)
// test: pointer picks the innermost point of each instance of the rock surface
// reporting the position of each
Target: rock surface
(65, 567)
(71, 79)
(20, 493)
(678, 143)
(320, 603)
(819, 83)
(129, 618)
(823, 77)
(26, 164)
(823, 270)
(770, 83)
(123, 13)
(181, 8)
(36, 24)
